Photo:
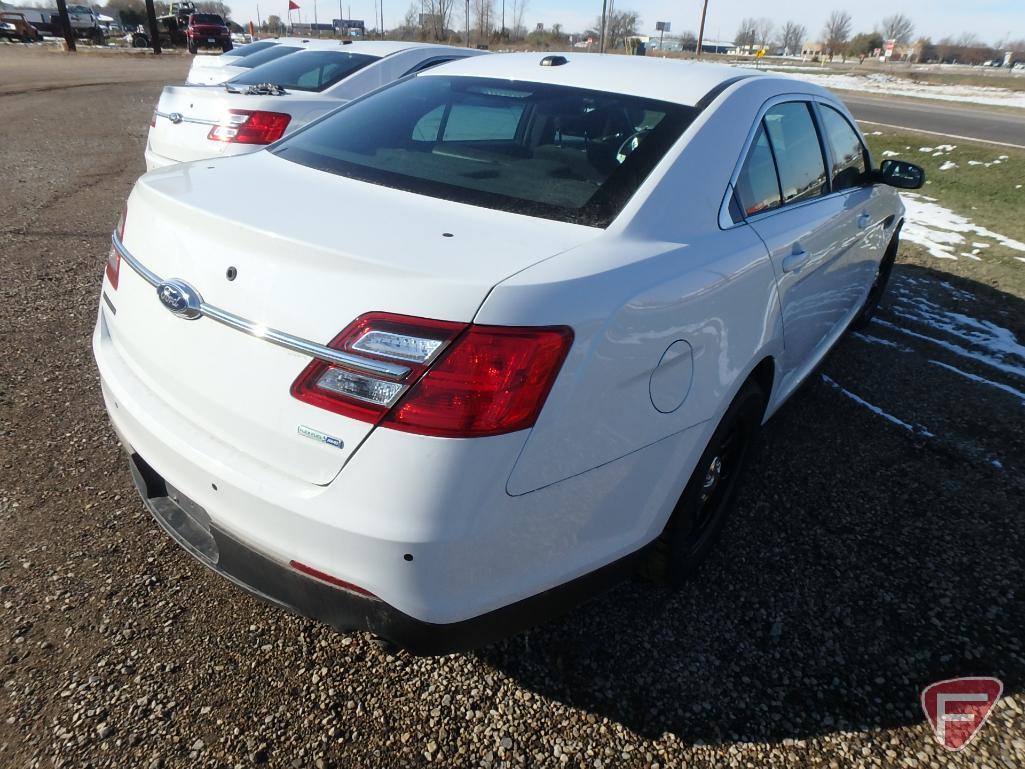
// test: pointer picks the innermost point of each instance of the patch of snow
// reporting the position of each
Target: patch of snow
(925, 149)
(872, 339)
(981, 245)
(917, 429)
(982, 380)
(939, 230)
(975, 162)
(897, 86)
(947, 166)
(889, 153)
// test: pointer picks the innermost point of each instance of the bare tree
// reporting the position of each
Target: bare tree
(837, 32)
(747, 33)
(763, 32)
(518, 10)
(483, 18)
(791, 37)
(897, 27)
(618, 27)
(438, 18)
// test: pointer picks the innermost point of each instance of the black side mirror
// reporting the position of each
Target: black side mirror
(900, 173)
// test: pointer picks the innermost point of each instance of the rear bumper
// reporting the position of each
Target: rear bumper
(342, 609)
(155, 161)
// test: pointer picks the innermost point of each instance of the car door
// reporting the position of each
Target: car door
(808, 231)
(851, 179)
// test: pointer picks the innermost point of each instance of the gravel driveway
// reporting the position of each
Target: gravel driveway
(879, 546)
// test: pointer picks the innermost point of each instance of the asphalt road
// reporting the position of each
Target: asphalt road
(877, 547)
(966, 122)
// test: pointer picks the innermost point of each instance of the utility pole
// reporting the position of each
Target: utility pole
(467, 23)
(154, 28)
(701, 30)
(503, 20)
(601, 31)
(66, 31)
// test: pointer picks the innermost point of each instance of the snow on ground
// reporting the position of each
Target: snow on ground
(881, 83)
(982, 341)
(942, 232)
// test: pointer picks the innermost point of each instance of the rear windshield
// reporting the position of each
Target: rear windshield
(306, 70)
(548, 151)
(249, 48)
(270, 54)
(207, 18)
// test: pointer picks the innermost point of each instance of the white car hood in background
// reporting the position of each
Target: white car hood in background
(311, 251)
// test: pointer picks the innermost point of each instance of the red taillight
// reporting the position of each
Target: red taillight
(243, 126)
(113, 269)
(494, 380)
(153, 120)
(463, 381)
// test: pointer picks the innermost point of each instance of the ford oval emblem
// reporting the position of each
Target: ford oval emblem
(180, 298)
(175, 117)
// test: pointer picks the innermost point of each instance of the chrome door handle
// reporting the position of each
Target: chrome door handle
(795, 261)
(864, 220)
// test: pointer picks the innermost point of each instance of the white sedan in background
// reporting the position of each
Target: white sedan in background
(210, 70)
(480, 343)
(206, 68)
(263, 104)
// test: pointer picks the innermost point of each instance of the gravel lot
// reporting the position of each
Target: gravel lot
(867, 558)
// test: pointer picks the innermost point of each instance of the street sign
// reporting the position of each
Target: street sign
(662, 26)
(761, 53)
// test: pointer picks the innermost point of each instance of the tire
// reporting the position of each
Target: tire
(699, 515)
(227, 47)
(875, 294)
(192, 47)
(140, 42)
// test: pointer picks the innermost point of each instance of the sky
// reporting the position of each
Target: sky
(990, 20)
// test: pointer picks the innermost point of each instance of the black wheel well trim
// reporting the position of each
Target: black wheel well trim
(764, 375)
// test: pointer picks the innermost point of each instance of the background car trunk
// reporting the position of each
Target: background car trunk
(312, 251)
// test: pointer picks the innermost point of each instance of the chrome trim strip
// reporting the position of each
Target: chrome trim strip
(391, 371)
(199, 120)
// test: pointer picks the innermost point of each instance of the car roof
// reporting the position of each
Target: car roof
(673, 80)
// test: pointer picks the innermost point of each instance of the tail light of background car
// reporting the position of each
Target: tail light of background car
(113, 268)
(464, 380)
(244, 126)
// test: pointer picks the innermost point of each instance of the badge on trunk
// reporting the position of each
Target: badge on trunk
(180, 298)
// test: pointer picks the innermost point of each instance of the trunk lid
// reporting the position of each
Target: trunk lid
(198, 108)
(337, 249)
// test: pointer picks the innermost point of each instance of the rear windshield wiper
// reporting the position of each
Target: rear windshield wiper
(262, 89)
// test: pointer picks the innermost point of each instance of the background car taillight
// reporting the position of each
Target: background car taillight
(113, 268)
(464, 381)
(244, 126)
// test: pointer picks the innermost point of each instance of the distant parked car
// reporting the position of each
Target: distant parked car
(201, 71)
(207, 30)
(210, 71)
(14, 27)
(263, 104)
(480, 343)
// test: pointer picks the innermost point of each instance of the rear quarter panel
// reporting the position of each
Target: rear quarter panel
(663, 271)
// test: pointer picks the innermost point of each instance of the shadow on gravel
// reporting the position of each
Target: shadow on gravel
(865, 560)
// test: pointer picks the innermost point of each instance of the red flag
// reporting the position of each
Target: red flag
(292, 5)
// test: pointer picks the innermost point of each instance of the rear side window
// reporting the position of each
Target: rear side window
(306, 71)
(758, 185)
(262, 57)
(795, 144)
(849, 164)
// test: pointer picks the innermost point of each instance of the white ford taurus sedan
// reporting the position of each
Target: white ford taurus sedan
(208, 68)
(264, 103)
(479, 343)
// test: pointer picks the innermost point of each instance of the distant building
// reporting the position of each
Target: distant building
(813, 50)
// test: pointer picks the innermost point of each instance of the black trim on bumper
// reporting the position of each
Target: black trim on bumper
(190, 526)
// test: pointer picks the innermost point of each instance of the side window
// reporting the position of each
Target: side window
(795, 143)
(758, 186)
(849, 165)
(427, 127)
